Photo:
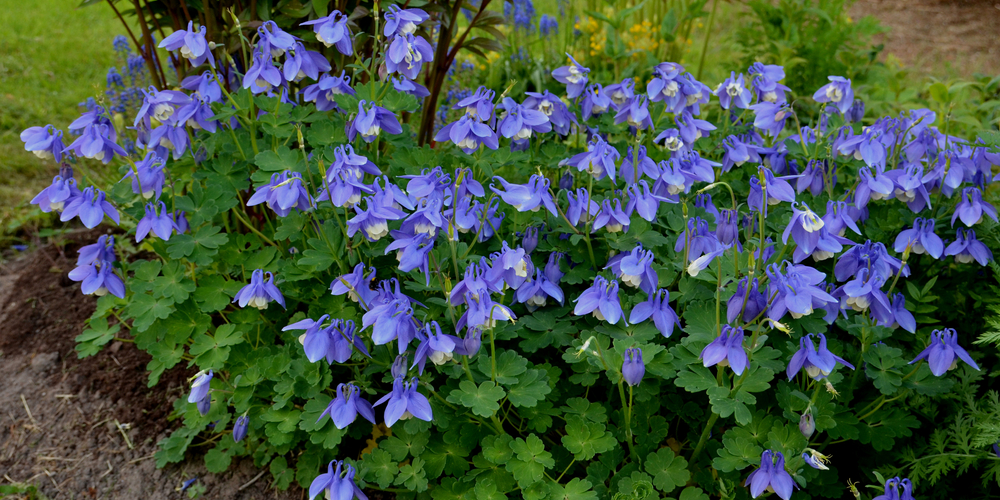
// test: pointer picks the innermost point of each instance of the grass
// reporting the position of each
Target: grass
(53, 55)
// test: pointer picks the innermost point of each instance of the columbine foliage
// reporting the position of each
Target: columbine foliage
(532, 305)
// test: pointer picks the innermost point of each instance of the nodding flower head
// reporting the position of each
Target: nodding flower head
(818, 364)
(404, 402)
(944, 352)
(838, 92)
(337, 483)
(333, 31)
(726, 350)
(633, 368)
(601, 299)
(771, 476)
(259, 292)
(573, 75)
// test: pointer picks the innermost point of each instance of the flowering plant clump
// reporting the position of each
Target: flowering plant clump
(597, 289)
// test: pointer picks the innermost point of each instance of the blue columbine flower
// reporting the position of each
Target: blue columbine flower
(316, 340)
(611, 217)
(535, 293)
(581, 206)
(198, 114)
(527, 197)
(818, 364)
(258, 293)
(200, 387)
(726, 350)
(856, 112)
(971, 208)
(815, 459)
(900, 316)
(666, 86)
(635, 268)
(637, 164)
(482, 311)
(370, 121)
(468, 134)
(690, 128)
(863, 291)
(391, 320)
(732, 92)
(438, 347)
(804, 227)
(840, 216)
(657, 306)
(771, 476)
(332, 31)
(944, 352)
(97, 142)
(633, 368)
(519, 123)
(559, 115)
(595, 101)
(324, 92)
(727, 229)
(598, 160)
(405, 85)
(205, 85)
(338, 483)
(57, 195)
(509, 266)
(671, 140)
(300, 63)
(766, 84)
(373, 219)
(402, 21)
(749, 301)
(356, 284)
(273, 40)
(920, 239)
(573, 75)
(404, 402)
(478, 105)
(263, 75)
(770, 117)
(601, 299)
(635, 113)
(102, 250)
(621, 94)
(91, 207)
(412, 251)
(45, 142)
(838, 92)
(344, 339)
(642, 200)
(98, 278)
(426, 217)
(966, 248)
(157, 220)
(795, 291)
(869, 255)
(283, 193)
(346, 406)
(191, 44)
(406, 55)
(529, 240)
(97, 115)
(240, 428)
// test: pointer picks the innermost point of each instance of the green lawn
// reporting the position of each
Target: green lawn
(53, 55)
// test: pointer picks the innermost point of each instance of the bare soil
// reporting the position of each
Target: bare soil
(88, 428)
(946, 38)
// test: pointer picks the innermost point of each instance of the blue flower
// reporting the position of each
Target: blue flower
(548, 25)
(273, 40)
(598, 160)
(45, 142)
(795, 291)
(205, 85)
(191, 44)
(258, 293)
(403, 84)
(356, 284)
(300, 63)
(519, 123)
(633, 368)
(840, 216)
(573, 75)
(635, 268)
(581, 206)
(262, 75)
(346, 406)
(868, 255)
(337, 483)
(102, 250)
(97, 142)
(942, 352)
(770, 117)
(478, 105)
(324, 92)
(637, 165)
(559, 115)
(666, 86)
(97, 116)
(200, 387)
(732, 92)
(529, 240)
(535, 293)
(404, 402)
(838, 92)
(482, 311)
(406, 55)
(920, 239)
(438, 347)
(601, 299)
(531, 196)
(815, 459)
(370, 121)
(635, 113)
(807, 425)
(412, 251)
(690, 128)
(727, 230)
(726, 350)
(98, 278)
(971, 208)
(157, 220)
(57, 195)
(643, 201)
(91, 207)
(818, 364)
(159, 105)
(611, 217)
(332, 31)
(771, 476)
(283, 193)
(240, 428)
(391, 320)
(749, 301)
(966, 248)
(509, 266)
(316, 340)
(657, 306)
(468, 134)
(765, 83)
(402, 21)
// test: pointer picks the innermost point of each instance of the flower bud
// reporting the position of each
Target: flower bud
(530, 239)
(398, 369)
(633, 368)
(807, 425)
(566, 181)
(240, 428)
(205, 405)
(472, 342)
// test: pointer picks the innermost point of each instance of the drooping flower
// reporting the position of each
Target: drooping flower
(944, 352)
(370, 121)
(156, 220)
(920, 239)
(815, 459)
(519, 123)
(57, 195)
(98, 278)
(643, 201)
(972, 207)
(732, 92)
(338, 483)
(284, 192)
(633, 368)
(573, 75)
(404, 402)
(657, 307)
(316, 339)
(770, 117)
(598, 160)
(412, 251)
(405, 85)
(891, 491)
(324, 92)
(637, 165)
(559, 115)
(200, 387)
(192, 45)
(402, 21)
(527, 197)
(635, 268)
(635, 114)
(356, 284)
(45, 142)
(875, 186)
(868, 255)
(373, 219)
(435, 346)
(391, 320)
(818, 364)
(611, 217)
(91, 206)
(726, 350)
(771, 476)
(406, 55)
(966, 248)
(300, 63)
(838, 92)
(346, 406)
(535, 293)
(273, 40)
(97, 142)
(748, 300)
(240, 428)
(102, 250)
(595, 101)
(601, 299)
(795, 291)
(469, 134)
(478, 105)
(258, 293)
(333, 30)
(807, 425)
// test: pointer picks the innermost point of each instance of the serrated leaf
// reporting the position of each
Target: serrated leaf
(668, 470)
(484, 399)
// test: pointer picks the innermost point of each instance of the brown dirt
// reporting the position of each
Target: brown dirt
(62, 435)
(947, 38)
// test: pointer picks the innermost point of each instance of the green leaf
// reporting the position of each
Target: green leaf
(739, 450)
(402, 443)
(668, 471)
(92, 339)
(486, 489)
(696, 378)
(530, 389)
(484, 400)
(530, 462)
(939, 92)
(509, 365)
(585, 439)
(380, 468)
(576, 489)
(412, 476)
(881, 360)
(280, 160)
(212, 351)
(693, 493)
